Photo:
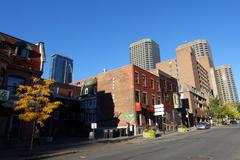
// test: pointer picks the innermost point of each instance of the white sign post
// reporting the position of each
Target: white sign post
(159, 110)
(94, 127)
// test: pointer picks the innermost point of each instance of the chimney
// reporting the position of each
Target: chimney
(43, 55)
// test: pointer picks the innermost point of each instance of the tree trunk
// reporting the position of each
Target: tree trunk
(31, 143)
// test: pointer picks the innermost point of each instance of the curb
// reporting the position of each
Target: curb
(50, 155)
(43, 156)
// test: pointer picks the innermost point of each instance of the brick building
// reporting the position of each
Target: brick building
(127, 95)
(19, 62)
(193, 80)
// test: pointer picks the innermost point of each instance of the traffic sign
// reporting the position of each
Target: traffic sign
(158, 113)
(159, 106)
(159, 109)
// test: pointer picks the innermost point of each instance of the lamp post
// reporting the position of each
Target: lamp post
(188, 117)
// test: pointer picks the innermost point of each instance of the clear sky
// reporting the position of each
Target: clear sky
(96, 33)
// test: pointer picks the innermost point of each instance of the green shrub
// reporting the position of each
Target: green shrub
(152, 133)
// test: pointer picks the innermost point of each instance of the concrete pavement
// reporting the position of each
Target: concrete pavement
(214, 144)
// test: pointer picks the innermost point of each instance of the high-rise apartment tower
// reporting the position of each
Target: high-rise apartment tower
(200, 48)
(144, 53)
(62, 69)
(226, 84)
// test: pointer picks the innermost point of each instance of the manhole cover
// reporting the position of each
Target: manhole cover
(200, 158)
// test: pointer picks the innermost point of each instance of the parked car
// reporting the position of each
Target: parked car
(203, 125)
(233, 122)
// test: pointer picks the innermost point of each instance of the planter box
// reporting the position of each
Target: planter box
(146, 135)
(182, 130)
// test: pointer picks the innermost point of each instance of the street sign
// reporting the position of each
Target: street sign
(126, 116)
(4, 95)
(159, 109)
(94, 125)
(159, 106)
(158, 113)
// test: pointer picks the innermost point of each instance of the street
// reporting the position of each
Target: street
(214, 144)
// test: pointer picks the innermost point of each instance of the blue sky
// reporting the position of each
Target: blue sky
(97, 33)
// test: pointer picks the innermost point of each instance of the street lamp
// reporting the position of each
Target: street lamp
(188, 117)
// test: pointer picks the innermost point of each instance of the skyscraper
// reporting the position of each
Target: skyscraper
(202, 51)
(62, 69)
(144, 53)
(200, 48)
(226, 84)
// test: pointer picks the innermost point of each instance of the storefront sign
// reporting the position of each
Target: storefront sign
(4, 95)
(126, 116)
(138, 107)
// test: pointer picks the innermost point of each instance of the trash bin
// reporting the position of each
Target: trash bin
(105, 133)
(110, 133)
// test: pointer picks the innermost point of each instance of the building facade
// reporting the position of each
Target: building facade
(200, 48)
(20, 61)
(193, 82)
(61, 69)
(226, 84)
(144, 53)
(132, 93)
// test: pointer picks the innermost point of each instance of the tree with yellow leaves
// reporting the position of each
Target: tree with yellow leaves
(34, 104)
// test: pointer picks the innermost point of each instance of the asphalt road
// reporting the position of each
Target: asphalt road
(213, 144)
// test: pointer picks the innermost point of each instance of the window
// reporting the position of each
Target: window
(159, 100)
(69, 94)
(165, 84)
(2, 75)
(136, 76)
(144, 80)
(158, 86)
(137, 96)
(94, 90)
(144, 98)
(153, 99)
(22, 51)
(86, 91)
(13, 83)
(152, 84)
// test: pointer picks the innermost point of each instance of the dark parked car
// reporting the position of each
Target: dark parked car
(233, 122)
(203, 125)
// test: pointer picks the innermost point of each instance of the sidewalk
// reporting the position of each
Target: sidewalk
(55, 149)
(67, 146)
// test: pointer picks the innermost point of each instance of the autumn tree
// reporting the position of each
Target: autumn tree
(34, 103)
(214, 106)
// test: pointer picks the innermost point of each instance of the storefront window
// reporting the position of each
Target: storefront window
(13, 83)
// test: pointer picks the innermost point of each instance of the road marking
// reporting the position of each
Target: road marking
(83, 157)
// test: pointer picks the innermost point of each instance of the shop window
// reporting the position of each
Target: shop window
(13, 83)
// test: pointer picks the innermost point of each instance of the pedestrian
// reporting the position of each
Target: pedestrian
(36, 137)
